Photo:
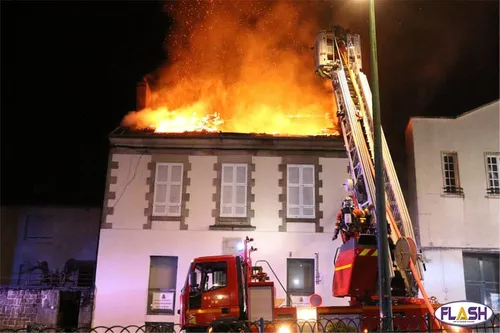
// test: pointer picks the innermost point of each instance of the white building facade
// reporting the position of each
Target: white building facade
(455, 203)
(171, 198)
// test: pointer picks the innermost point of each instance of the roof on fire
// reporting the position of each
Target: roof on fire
(148, 139)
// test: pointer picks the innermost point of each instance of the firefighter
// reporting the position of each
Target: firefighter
(351, 221)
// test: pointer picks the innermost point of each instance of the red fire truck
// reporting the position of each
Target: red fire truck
(227, 293)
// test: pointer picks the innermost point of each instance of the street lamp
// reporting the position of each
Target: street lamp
(384, 280)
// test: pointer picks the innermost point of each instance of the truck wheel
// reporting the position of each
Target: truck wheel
(240, 328)
(220, 328)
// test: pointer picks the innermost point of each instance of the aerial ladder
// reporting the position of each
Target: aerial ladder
(338, 58)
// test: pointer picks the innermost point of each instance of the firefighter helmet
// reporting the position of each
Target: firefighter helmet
(348, 203)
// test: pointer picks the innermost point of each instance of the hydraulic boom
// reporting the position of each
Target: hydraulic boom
(338, 58)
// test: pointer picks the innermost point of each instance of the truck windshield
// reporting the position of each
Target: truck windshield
(214, 275)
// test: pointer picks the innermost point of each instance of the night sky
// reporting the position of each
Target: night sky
(69, 71)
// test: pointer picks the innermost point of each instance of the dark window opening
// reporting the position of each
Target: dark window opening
(482, 281)
(300, 277)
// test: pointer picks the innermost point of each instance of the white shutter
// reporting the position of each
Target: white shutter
(293, 191)
(226, 202)
(160, 190)
(240, 190)
(300, 191)
(175, 189)
(307, 191)
(234, 190)
(168, 189)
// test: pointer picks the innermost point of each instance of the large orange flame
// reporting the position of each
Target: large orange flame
(240, 66)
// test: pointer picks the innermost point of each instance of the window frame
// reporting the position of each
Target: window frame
(306, 290)
(151, 290)
(234, 185)
(38, 219)
(481, 284)
(492, 190)
(301, 185)
(451, 189)
(168, 184)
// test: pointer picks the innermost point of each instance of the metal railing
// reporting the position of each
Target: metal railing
(424, 323)
(42, 280)
(493, 190)
(453, 190)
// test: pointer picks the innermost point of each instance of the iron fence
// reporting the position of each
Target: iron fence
(359, 324)
(48, 280)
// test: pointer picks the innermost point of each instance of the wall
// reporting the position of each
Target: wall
(448, 224)
(8, 235)
(130, 235)
(19, 307)
(73, 234)
(22, 307)
(124, 302)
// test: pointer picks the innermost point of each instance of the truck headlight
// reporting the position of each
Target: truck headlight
(284, 329)
(307, 314)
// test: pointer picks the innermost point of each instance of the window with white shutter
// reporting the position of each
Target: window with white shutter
(168, 189)
(234, 183)
(300, 191)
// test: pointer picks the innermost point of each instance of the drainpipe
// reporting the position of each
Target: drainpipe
(318, 275)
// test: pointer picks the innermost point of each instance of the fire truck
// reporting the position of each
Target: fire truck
(227, 293)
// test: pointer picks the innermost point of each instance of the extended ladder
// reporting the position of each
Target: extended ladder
(354, 110)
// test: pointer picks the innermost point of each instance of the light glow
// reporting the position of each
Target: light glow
(283, 329)
(306, 313)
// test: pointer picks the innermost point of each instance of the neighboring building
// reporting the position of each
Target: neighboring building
(48, 265)
(173, 197)
(455, 202)
(52, 234)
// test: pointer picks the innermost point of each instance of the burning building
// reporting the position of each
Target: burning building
(174, 196)
(221, 147)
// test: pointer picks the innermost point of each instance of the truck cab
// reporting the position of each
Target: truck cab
(214, 291)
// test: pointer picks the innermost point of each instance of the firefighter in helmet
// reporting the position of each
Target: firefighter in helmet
(351, 221)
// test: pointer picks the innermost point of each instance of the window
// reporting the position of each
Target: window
(168, 189)
(492, 164)
(300, 191)
(38, 228)
(481, 272)
(450, 174)
(214, 276)
(162, 285)
(233, 190)
(300, 276)
(232, 246)
(209, 276)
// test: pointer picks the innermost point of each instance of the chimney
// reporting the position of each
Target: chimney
(143, 95)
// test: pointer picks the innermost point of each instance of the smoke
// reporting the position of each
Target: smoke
(249, 61)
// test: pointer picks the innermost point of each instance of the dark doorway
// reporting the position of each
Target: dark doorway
(69, 309)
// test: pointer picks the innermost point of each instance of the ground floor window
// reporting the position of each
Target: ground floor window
(162, 285)
(482, 283)
(300, 276)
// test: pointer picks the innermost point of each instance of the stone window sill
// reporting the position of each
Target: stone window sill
(232, 227)
(452, 195)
